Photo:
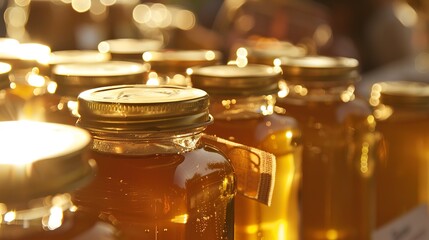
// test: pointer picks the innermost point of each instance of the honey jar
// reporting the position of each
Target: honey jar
(129, 49)
(169, 66)
(29, 61)
(242, 103)
(262, 50)
(42, 164)
(401, 109)
(338, 146)
(155, 177)
(73, 78)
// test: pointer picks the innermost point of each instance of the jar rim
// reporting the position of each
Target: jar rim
(41, 159)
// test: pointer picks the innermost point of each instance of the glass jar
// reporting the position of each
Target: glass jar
(129, 49)
(73, 78)
(41, 165)
(156, 178)
(169, 66)
(337, 136)
(10, 104)
(29, 75)
(242, 102)
(261, 50)
(402, 115)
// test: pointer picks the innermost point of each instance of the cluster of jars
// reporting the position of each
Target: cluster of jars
(138, 142)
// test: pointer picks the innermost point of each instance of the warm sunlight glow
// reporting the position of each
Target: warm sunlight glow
(41, 140)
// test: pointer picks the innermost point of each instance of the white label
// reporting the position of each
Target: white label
(412, 226)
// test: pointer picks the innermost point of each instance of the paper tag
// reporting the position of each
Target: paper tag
(412, 226)
(255, 169)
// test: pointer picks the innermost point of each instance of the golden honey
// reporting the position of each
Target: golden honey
(242, 103)
(336, 196)
(156, 179)
(401, 112)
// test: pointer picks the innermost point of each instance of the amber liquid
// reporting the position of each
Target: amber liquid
(402, 174)
(185, 196)
(336, 169)
(254, 220)
(79, 225)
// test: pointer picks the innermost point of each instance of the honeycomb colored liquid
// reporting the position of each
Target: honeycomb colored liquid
(336, 169)
(271, 133)
(185, 196)
(402, 174)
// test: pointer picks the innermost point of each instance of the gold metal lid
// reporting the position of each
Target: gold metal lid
(253, 79)
(73, 78)
(5, 69)
(319, 69)
(179, 60)
(8, 48)
(77, 56)
(40, 159)
(408, 93)
(130, 108)
(23, 55)
(129, 48)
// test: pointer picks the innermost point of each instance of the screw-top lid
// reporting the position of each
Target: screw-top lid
(179, 60)
(8, 48)
(130, 108)
(73, 78)
(253, 79)
(129, 48)
(77, 56)
(40, 159)
(23, 55)
(409, 93)
(320, 69)
(5, 69)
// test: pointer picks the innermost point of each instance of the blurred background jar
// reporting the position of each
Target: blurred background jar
(42, 164)
(10, 104)
(402, 114)
(242, 102)
(29, 75)
(72, 79)
(262, 50)
(156, 178)
(337, 136)
(129, 49)
(170, 66)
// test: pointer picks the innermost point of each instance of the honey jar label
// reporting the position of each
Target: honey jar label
(255, 169)
(413, 225)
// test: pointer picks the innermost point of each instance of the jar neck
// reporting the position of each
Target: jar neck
(318, 93)
(241, 107)
(401, 112)
(38, 215)
(146, 143)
